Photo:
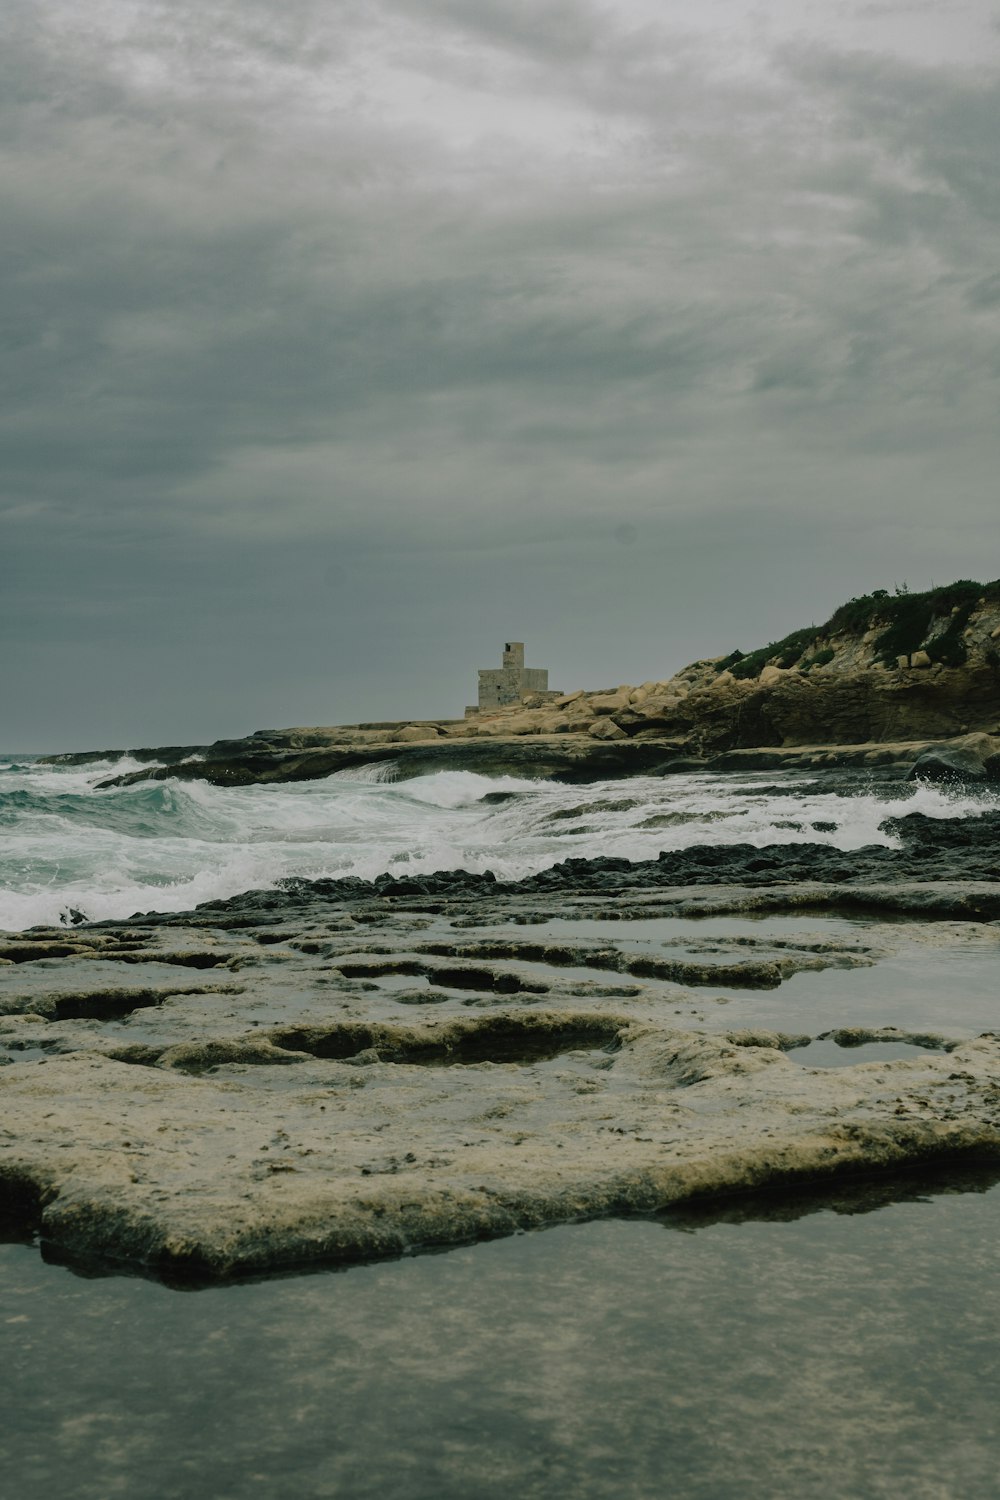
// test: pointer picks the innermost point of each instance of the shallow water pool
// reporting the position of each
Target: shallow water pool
(845, 1345)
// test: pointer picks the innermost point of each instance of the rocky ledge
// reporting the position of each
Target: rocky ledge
(569, 758)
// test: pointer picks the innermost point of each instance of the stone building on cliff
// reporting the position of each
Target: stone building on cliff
(509, 683)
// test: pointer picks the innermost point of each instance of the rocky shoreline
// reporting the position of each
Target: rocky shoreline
(839, 715)
(340, 1070)
(344, 1070)
(569, 758)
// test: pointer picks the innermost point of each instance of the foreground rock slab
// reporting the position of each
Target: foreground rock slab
(308, 1076)
(352, 1162)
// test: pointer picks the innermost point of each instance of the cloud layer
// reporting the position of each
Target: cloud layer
(342, 342)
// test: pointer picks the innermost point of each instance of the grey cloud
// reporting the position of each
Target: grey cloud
(271, 312)
(985, 293)
(559, 33)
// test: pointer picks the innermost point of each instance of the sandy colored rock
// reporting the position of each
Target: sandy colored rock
(365, 1157)
(608, 703)
(605, 729)
(413, 733)
(186, 1096)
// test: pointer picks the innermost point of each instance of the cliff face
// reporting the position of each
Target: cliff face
(832, 707)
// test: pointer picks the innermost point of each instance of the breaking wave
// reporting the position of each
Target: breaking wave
(68, 846)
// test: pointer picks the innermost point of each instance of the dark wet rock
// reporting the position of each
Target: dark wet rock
(950, 764)
(170, 753)
(960, 849)
(991, 765)
(568, 758)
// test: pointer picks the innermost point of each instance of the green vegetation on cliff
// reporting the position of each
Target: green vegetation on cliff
(933, 621)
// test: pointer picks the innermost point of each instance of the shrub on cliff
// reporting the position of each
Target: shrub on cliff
(784, 653)
(907, 625)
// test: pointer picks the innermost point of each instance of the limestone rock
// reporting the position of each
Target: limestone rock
(919, 659)
(609, 703)
(606, 729)
(629, 719)
(521, 724)
(413, 732)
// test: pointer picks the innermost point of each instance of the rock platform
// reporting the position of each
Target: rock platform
(339, 1071)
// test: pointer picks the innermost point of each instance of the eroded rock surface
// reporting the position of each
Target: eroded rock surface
(344, 1071)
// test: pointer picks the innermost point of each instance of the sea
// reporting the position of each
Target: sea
(73, 848)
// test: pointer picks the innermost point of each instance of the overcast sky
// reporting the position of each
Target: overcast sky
(345, 339)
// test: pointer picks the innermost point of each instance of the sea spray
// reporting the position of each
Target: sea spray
(69, 845)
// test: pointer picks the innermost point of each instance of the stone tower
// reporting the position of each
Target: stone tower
(508, 683)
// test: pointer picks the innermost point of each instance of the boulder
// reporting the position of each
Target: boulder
(949, 763)
(629, 719)
(609, 703)
(919, 659)
(412, 732)
(528, 723)
(605, 729)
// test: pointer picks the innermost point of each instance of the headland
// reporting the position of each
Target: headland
(887, 679)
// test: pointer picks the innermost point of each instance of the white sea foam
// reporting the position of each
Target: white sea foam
(378, 771)
(67, 845)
